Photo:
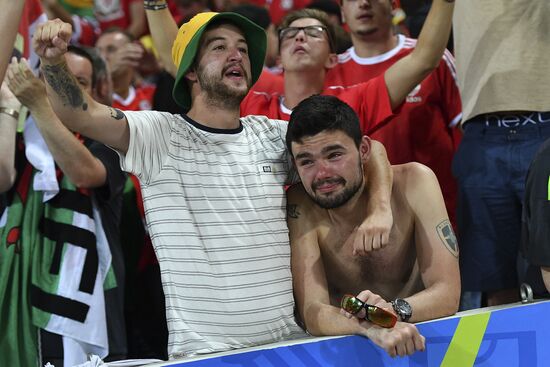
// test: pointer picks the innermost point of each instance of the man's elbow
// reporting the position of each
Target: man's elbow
(451, 303)
(312, 322)
(87, 179)
(452, 307)
(313, 329)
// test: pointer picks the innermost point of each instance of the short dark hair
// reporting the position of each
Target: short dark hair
(320, 113)
(319, 15)
(99, 68)
(255, 13)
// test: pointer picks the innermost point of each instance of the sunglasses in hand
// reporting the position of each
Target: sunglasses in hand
(374, 314)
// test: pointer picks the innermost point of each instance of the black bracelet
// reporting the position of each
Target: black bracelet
(153, 5)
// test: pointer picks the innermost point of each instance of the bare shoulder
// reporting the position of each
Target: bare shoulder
(413, 175)
(415, 181)
(300, 206)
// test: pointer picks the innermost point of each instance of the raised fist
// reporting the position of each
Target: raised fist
(51, 39)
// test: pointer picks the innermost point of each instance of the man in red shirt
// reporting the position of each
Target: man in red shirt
(126, 14)
(426, 126)
(123, 57)
(307, 53)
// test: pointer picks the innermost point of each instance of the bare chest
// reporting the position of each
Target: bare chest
(389, 272)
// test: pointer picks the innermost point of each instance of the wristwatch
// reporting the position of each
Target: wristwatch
(402, 308)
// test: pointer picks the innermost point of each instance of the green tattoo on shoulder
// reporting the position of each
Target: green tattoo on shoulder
(447, 236)
(292, 211)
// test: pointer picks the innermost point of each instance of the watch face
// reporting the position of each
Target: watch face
(403, 308)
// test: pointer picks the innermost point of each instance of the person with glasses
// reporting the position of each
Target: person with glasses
(306, 39)
(315, 31)
(418, 272)
(307, 54)
(307, 51)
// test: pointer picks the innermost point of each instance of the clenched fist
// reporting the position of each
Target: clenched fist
(51, 39)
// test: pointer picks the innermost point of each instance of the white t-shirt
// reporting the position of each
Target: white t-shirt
(216, 210)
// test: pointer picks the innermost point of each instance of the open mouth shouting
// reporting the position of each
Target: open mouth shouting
(235, 72)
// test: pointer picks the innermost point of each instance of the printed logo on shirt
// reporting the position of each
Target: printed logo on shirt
(271, 168)
(413, 96)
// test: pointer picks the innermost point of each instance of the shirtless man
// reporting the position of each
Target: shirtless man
(417, 271)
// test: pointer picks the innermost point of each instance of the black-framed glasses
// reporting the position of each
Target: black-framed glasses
(315, 31)
(374, 314)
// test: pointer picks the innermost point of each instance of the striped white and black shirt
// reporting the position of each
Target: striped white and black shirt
(215, 206)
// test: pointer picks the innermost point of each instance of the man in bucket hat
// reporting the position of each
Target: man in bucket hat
(212, 184)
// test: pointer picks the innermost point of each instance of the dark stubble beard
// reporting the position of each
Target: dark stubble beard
(218, 93)
(336, 201)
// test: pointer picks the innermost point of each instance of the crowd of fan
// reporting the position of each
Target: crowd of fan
(477, 125)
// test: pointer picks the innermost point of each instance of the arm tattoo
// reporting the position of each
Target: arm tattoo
(447, 236)
(292, 211)
(116, 113)
(63, 83)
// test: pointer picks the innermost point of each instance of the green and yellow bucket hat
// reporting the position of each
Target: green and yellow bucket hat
(186, 46)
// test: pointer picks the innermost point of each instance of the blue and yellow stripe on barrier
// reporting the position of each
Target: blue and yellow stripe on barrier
(466, 341)
(514, 335)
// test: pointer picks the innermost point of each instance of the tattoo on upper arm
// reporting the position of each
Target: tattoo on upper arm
(64, 84)
(292, 211)
(447, 236)
(116, 113)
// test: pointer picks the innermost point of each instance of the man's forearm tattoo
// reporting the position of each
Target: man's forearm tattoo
(116, 113)
(64, 84)
(292, 211)
(447, 236)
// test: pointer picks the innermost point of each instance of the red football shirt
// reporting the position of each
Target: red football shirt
(270, 82)
(425, 129)
(139, 99)
(113, 13)
(85, 31)
(370, 100)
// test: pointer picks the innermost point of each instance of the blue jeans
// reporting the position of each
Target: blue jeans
(490, 166)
